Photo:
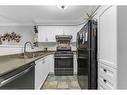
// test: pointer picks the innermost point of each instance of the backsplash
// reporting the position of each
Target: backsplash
(52, 45)
(10, 49)
(14, 49)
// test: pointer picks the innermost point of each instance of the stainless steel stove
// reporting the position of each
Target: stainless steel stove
(63, 56)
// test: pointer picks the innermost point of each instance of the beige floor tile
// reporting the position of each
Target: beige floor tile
(44, 86)
(51, 85)
(63, 85)
(61, 82)
(74, 84)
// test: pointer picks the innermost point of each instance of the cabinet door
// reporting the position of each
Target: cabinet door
(70, 30)
(48, 33)
(50, 62)
(42, 34)
(38, 74)
(47, 67)
(108, 36)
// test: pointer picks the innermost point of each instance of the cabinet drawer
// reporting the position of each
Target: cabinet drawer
(108, 72)
(101, 86)
(105, 83)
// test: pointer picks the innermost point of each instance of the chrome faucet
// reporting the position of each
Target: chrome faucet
(25, 47)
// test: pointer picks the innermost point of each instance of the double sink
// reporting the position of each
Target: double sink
(28, 55)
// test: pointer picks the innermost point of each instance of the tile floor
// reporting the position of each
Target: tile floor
(61, 82)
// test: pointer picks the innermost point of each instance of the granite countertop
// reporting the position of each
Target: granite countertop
(8, 63)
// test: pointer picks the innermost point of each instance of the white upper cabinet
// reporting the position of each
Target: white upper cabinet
(107, 36)
(70, 30)
(48, 33)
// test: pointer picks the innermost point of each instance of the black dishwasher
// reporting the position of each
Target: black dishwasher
(21, 78)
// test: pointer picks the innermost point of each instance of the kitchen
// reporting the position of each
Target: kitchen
(63, 47)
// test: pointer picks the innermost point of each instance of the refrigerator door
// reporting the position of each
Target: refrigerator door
(87, 57)
(83, 68)
(83, 59)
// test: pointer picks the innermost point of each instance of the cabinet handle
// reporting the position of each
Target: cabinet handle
(105, 80)
(105, 70)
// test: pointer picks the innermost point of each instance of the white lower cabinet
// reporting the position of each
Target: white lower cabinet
(50, 60)
(41, 72)
(107, 77)
(101, 86)
(108, 72)
(43, 67)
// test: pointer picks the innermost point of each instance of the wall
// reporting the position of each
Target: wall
(122, 47)
(27, 34)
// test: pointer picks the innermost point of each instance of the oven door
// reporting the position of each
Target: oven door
(63, 65)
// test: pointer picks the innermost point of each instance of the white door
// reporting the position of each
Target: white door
(107, 36)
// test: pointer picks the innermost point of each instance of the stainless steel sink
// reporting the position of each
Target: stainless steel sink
(31, 55)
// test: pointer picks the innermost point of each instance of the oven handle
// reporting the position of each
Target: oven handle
(63, 57)
(15, 76)
(83, 57)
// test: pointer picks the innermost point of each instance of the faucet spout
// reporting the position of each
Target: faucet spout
(26, 45)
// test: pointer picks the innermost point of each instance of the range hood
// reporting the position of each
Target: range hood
(63, 42)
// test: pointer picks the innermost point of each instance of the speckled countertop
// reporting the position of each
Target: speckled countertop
(8, 63)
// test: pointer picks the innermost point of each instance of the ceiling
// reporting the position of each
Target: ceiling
(44, 15)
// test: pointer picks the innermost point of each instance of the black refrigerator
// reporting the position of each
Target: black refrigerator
(87, 55)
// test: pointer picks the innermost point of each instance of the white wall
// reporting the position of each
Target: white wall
(122, 47)
(27, 34)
